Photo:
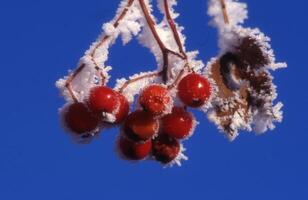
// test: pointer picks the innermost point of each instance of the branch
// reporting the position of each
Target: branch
(165, 51)
(151, 23)
(103, 40)
(127, 83)
(69, 80)
(163, 48)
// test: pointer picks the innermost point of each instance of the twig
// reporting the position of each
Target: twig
(104, 39)
(69, 80)
(115, 25)
(180, 45)
(165, 51)
(176, 80)
(224, 11)
(179, 77)
(174, 29)
(127, 83)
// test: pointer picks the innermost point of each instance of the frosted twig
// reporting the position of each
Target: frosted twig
(180, 75)
(224, 11)
(82, 66)
(68, 84)
(165, 51)
(116, 24)
(162, 46)
(127, 83)
(174, 29)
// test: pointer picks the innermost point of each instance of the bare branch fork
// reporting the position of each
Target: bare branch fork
(165, 51)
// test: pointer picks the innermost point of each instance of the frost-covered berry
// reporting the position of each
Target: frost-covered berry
(103, 99)
(165, 149)
(132, 150)
(194, 90)
(178, 124)
(79, 119)
(155, 99)
(140, 125)
(123, 109)
(112, 105)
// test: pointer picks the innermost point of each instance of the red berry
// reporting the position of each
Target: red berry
(178, 124)
(132, 150)
(79, 119)
(140, 125)
(103, 99)
(123, 109)
(165, 149)
(194, 90)
(155, 99)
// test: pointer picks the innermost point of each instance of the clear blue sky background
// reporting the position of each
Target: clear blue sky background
(40, 40)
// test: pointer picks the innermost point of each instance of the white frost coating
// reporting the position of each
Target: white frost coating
(265, 120)
(179, 158)
(129, 26)
(109, 29)
(97, 54)
(135, 87)
(195, 123)
(263, 41)
(214, 89)
(166, 36)
(276, 66)
(237, 123)
(237, 13)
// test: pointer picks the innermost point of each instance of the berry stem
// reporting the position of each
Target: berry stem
(69, 81)
(224, 11)
(127, 83)
(179, 77)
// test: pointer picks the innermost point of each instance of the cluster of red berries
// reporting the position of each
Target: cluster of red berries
(154, 130)
(104, 105)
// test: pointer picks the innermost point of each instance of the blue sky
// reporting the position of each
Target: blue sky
(41, 40)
